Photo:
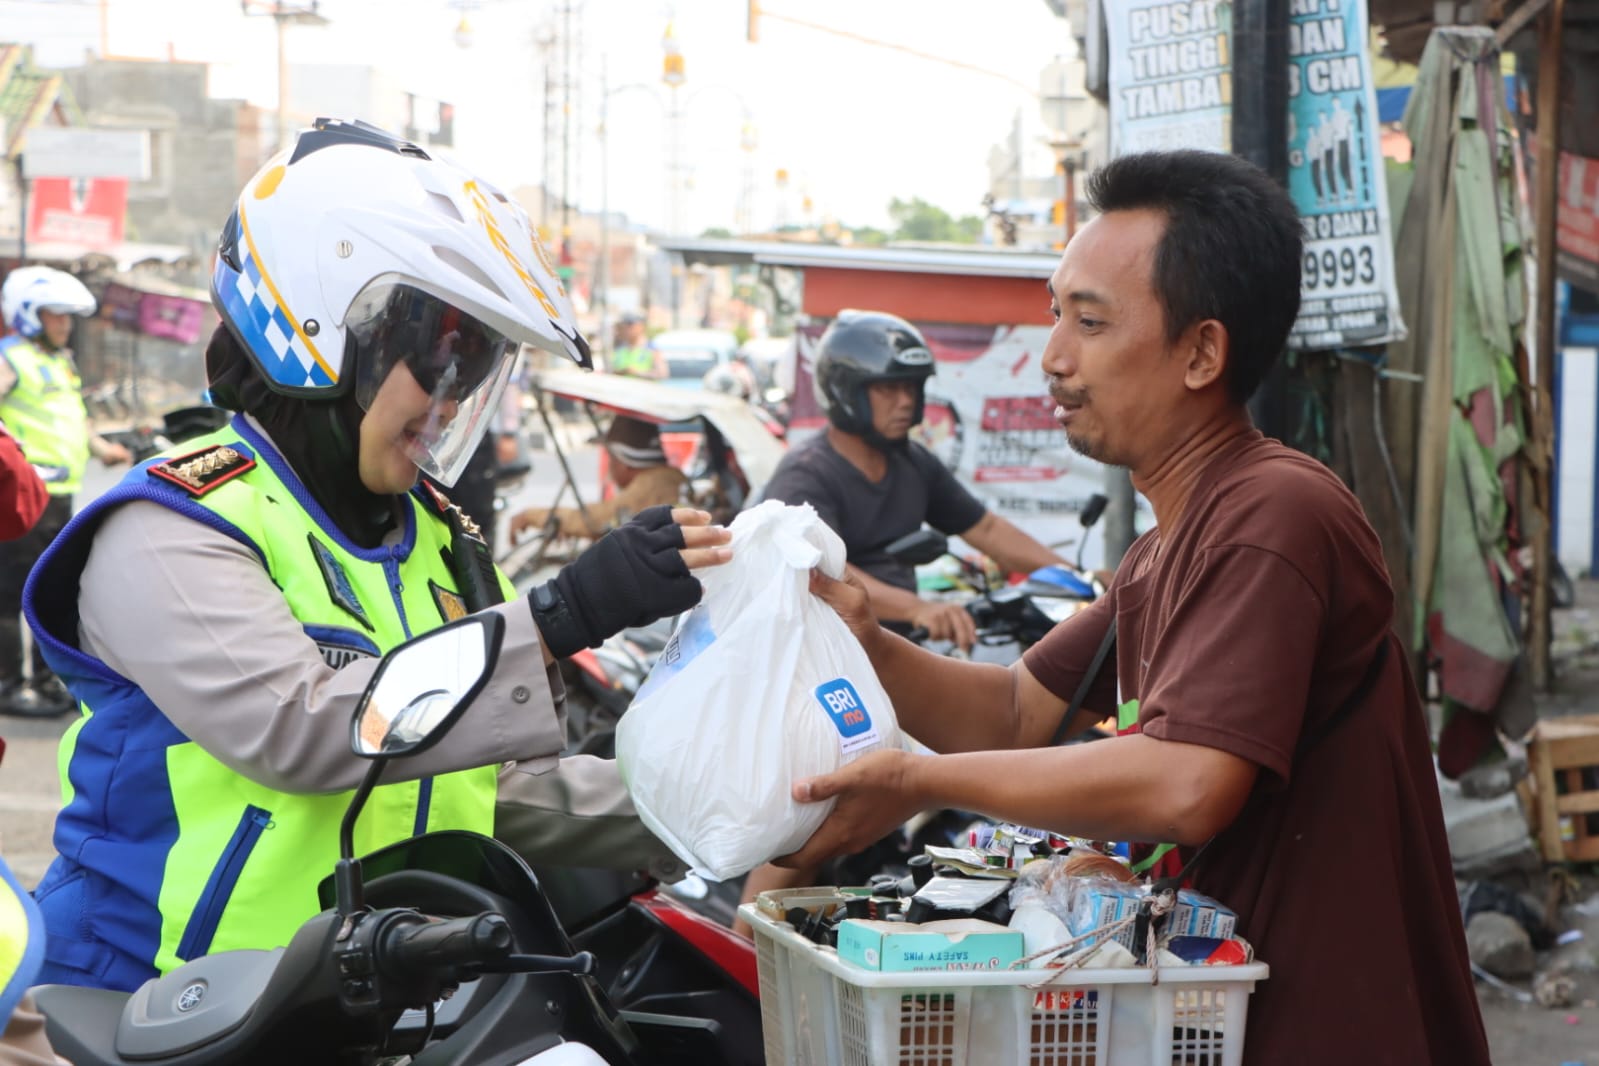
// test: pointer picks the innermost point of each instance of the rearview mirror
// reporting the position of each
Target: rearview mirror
(421, 687)
(1093, 509)
(918, 548)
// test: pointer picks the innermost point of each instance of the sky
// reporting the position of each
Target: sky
(853, 124)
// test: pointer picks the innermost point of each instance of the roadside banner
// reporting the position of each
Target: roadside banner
(1170, 75)
(1337, 179)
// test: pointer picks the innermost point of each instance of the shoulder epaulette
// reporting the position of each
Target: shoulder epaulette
(197, 473)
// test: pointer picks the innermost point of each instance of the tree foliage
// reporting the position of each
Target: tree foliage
(917, 220)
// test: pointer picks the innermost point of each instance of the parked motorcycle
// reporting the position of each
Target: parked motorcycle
(444, 948)
(177, 425)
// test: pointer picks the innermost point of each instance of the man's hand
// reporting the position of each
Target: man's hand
(947, 621)
(505, 448)
(850, 601)
(874, 796)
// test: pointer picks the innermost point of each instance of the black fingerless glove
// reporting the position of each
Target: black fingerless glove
(630, 577)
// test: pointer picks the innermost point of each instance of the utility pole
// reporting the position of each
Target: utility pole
(22, 202)
(673, 75)
(1260, 135)
(568, 110)
(282, 16)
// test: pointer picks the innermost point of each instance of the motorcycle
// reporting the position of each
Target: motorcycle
(1012, 618)
(444, 948)
(177, 425)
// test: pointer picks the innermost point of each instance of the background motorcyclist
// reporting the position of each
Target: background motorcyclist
(220, 612)
(637, 467)
(42, 407)
(872, 484)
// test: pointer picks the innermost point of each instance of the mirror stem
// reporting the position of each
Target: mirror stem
(347, 875)
(347, 891)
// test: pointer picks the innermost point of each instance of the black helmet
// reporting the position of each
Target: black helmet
(858, 349)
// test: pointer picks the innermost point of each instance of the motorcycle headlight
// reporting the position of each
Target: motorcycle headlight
(1057, 609)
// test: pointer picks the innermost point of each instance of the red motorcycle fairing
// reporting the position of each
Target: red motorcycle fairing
(729, 951)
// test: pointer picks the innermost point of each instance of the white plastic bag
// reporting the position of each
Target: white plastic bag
(761, 685)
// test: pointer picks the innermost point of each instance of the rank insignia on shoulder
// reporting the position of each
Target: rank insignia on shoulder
(197, 473)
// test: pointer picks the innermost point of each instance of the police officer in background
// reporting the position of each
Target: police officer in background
(42, 406)
(633, 357)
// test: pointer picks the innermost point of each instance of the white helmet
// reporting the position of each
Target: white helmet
(357, 251)
(29, 290)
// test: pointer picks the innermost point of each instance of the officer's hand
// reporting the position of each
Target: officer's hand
(633, 575)
(947, 621)
(114, 454)
(703, 544)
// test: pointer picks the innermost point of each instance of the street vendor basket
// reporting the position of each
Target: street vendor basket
(817, 1008)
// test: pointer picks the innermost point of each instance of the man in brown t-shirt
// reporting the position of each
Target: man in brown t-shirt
(1248, 620)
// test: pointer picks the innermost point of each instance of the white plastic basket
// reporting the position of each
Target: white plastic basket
(816, 1008)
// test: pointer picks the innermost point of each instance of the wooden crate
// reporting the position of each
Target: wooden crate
(1563, 752)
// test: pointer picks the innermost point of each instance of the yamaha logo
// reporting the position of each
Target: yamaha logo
(913, 357)
(190, 997)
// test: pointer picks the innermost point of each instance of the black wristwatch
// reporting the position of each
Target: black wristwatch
(558, 629)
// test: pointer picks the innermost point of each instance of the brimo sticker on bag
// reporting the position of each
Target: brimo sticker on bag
(848, 714)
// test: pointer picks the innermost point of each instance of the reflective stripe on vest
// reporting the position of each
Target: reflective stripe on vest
(243, 871)
(45, 412)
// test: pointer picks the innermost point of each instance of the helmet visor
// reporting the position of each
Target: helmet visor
(456, 365)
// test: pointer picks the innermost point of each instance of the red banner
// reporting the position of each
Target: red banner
(86, 211)
(1577, 220)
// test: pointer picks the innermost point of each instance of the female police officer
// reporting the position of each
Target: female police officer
(218, 613)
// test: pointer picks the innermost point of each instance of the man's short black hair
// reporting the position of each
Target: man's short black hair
(1231, 250)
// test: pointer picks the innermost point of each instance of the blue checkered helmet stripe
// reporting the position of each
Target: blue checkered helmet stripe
(260, 323)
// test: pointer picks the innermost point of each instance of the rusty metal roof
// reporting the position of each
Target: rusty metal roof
(27, 95)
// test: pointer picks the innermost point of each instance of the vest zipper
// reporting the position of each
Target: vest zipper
(391, 568)
(207, 914)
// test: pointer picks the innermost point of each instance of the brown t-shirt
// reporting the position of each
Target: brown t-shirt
(1252, 619)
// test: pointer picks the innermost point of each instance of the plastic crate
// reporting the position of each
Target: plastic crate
(816, 1008)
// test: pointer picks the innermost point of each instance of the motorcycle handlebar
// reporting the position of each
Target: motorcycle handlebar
(437, 945)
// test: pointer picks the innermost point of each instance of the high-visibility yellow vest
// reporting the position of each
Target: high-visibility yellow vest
(45, 412)
(184, 855)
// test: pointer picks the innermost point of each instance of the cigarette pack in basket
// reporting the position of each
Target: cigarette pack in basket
(816, 1008)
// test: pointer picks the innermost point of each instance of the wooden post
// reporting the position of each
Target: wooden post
(1538, 629)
